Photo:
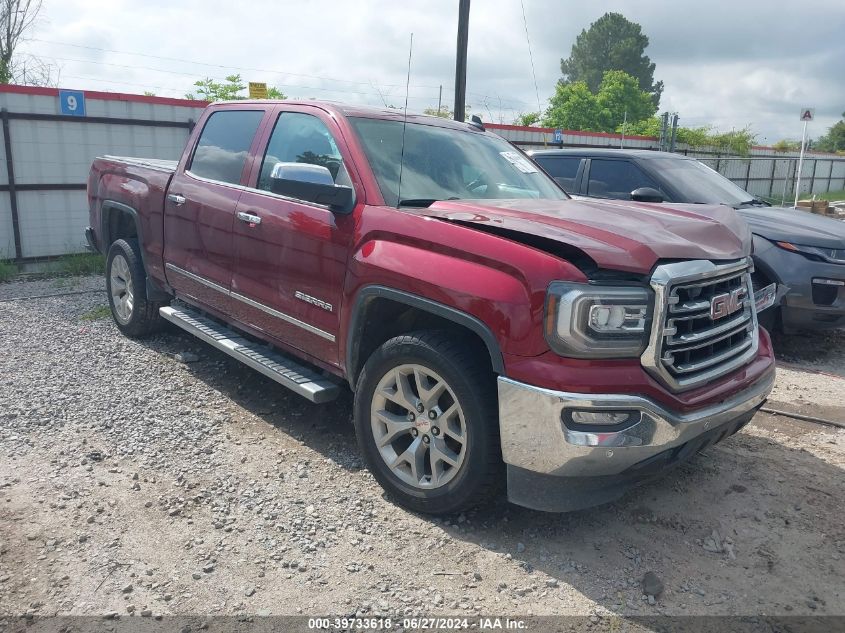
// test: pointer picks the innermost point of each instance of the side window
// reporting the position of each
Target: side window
(563, 169)
(616, 179)
(223, 146)
(302, 138)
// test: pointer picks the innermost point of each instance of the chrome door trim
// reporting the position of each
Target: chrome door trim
(200, 280)
(255, 304)
(263, 192)
(283, 316)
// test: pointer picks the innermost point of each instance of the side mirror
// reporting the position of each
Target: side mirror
(313, 183)
(646, 194)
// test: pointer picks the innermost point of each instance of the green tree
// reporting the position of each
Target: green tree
(834, 140)
(611, 43)
(443, 112)
(527, 119)
(734, 142)
(16, 18)
(574, 107)
(230, 90)
(786, 145)
(620, 98)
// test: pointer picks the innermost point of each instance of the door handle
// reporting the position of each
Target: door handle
(249, 218)
(176, 199)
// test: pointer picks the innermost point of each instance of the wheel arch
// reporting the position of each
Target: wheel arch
(365, 334)
(121, 221)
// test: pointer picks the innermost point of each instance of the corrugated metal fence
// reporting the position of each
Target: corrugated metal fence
(49, 147)
(763, 173)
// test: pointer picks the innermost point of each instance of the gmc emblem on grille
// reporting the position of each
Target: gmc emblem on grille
(727, 303)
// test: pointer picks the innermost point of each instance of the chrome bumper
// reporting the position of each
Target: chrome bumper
(534, 437)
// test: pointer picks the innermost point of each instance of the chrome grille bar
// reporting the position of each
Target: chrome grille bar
(695, 338)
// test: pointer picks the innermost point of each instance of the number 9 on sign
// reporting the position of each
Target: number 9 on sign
(72, 102)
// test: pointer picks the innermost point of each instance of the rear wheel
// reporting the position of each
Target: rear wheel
(126, 284)
(427, 424)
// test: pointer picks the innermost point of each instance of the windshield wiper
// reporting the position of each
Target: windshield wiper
(754, 202)
(422, 202)
(417, 202)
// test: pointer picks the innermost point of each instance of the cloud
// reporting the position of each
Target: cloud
(726, 63)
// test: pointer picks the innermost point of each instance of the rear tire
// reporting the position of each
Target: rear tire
(426, 419)
(126, 285)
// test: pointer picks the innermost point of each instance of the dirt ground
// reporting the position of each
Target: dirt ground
(135, 484)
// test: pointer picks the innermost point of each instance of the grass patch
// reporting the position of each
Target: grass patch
(78, 264)
(827, 195)
(100, 312)
(7, 270)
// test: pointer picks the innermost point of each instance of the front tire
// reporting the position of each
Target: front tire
(126, 284)
(426, 419)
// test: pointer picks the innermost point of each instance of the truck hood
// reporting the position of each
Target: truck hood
(616, 235)
(779, 224)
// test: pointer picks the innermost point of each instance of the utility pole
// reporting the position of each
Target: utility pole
(664, 125)
(461, 61)
(800, 164)
(439, 99)
(624, 123)
(674, 132)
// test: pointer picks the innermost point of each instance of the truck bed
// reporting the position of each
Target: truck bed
(138, 184)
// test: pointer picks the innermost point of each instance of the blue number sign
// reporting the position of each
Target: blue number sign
(72, 102)
(558, 136)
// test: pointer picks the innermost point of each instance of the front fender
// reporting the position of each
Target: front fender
(505, 299)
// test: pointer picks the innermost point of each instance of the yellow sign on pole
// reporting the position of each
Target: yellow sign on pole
(257, 90)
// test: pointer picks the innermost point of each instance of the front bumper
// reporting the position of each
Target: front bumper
(555, 468)
(815, 301)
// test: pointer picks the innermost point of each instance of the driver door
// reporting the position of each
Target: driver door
(290, 255)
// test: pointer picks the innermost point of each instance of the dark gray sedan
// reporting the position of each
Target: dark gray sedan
(800, 251)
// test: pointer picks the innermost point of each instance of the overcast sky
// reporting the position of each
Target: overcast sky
(726, 63)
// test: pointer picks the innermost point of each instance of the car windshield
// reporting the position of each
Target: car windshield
(697, 182)
(447, 164)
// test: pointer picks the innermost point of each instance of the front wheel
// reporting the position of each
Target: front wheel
(427, 424)
(126, 283)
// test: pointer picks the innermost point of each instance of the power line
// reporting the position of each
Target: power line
(222, 66)
(249, 69)
(192, 75)
(531, 57)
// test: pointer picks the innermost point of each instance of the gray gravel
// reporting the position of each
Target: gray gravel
(131, 482)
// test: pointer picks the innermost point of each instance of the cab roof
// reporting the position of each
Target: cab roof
(369, 112)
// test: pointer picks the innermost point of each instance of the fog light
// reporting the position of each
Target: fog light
(606, 419)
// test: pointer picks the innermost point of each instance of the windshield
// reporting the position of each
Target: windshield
(696, 182)
(448, 164)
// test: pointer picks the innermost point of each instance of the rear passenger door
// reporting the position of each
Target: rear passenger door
(616, 179)
(564, 169)
(199, 207)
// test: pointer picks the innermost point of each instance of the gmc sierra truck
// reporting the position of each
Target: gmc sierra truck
(492, 329)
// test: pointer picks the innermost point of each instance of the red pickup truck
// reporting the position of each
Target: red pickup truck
(492, 329)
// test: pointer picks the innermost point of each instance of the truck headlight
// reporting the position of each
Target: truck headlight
(588, 321)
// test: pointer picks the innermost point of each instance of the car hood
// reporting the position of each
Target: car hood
(780, 224)
(617, 235)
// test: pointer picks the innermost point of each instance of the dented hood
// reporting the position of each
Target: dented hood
(617, 235)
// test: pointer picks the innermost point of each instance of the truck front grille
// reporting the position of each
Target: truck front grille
(705, 325)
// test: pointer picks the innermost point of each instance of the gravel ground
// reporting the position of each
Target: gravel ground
(133, 483)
